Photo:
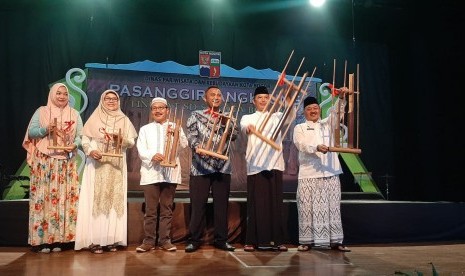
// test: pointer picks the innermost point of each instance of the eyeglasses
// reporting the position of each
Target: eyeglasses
(158, 107)
(312, 108)
(110, 99)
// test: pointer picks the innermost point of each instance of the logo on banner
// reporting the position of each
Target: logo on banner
(209, 64)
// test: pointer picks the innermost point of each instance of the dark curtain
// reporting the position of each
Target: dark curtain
(408, 60)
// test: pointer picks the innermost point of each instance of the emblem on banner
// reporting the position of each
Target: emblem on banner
(209, 64)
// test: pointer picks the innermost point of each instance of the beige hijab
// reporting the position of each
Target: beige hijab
(67, 121)
(109, 120)
(109, 181)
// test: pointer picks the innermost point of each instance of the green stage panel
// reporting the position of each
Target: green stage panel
(361, 175)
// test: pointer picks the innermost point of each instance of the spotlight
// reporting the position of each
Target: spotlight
(317, 3)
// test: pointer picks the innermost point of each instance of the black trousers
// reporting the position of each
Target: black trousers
(264, 209)
(199, 189)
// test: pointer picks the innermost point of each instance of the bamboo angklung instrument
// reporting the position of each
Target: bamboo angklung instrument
(286, 98)
(348, 143)
(222, 121)
(172, 141)
(114, 145)
(57, 132)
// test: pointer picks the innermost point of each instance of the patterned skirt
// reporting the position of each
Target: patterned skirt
(53, 201)
(319, 211)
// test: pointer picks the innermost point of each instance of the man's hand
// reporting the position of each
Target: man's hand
(250, 129)
(322, 148)
(158, 157)
(343, 91)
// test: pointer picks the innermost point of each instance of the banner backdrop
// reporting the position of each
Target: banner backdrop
(138, 85)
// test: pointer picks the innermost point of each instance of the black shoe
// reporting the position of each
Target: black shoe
(265, 248)
(281, 248)
(340, 247)
(191, 247)
(225, 246)
(249, 248)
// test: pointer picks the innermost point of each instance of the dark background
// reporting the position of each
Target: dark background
(408, 52)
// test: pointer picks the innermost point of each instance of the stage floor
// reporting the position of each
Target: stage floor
(364, 221)
(447, 259)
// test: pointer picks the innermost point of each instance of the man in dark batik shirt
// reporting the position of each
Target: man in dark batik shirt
(208, 173)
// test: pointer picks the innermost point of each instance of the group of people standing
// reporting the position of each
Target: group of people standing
(91, 212)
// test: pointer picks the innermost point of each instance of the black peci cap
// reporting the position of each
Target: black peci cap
(310, 100)
(260, 90)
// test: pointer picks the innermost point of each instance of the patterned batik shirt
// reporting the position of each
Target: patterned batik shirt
(199, 129)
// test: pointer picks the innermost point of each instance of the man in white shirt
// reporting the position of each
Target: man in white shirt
(319, 189)
(158, 182)
(265, 166)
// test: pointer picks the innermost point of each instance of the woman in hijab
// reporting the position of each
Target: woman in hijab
(102, 214)
(50, 141)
